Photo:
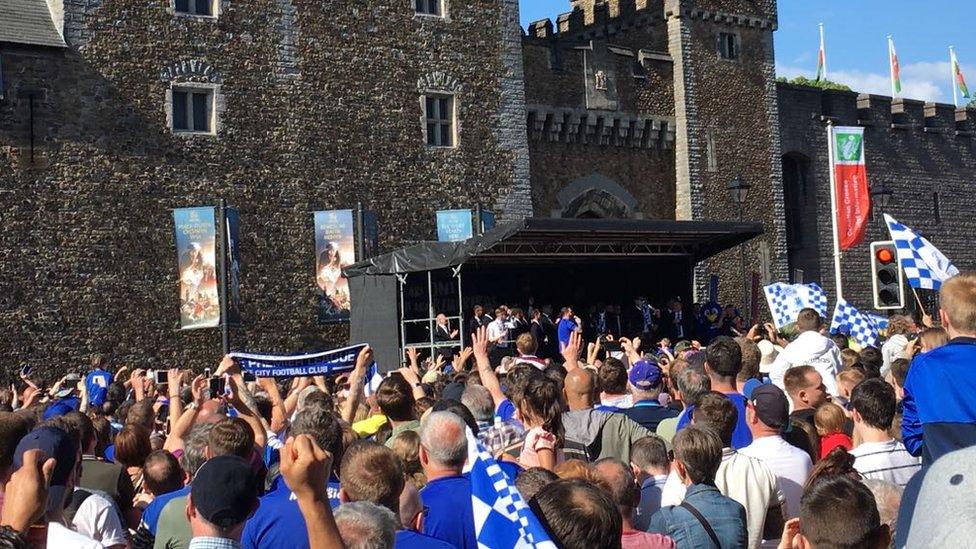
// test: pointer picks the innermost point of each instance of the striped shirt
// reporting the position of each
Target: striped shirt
(888, 461)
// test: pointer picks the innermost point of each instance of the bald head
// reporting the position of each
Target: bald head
(578, 389)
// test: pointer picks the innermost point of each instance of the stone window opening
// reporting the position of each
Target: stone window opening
(711, 155)
(192, 110)
(440, 116)
(728, 46)
(433, 8)
(198, 8)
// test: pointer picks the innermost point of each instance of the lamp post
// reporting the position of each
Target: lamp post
(739, 189)
(881, 196)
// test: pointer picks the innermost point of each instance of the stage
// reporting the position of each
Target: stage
(582, 263)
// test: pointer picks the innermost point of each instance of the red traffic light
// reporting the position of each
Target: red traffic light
(884, 256)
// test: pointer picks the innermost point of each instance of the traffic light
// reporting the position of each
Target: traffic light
(886, 276)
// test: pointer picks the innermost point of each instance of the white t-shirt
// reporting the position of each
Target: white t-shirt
(59, 536)
(742, 478)
(888, 461)
(97, 519)
(497, 328)
(790, 465)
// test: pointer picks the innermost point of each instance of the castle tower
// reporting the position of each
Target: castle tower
(726, 125)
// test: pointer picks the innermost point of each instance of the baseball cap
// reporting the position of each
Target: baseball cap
(645, 375)
(769, 352)
(224, 491)
(771, 405)
(56, 444)
(946, 485)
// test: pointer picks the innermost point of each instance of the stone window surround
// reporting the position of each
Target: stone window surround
(454, 118)
(217, 5)
(445, 11)
(216, 108)
(738, 45)
(439, 83)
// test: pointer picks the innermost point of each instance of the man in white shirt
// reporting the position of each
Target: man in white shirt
(879, 456)
(809, 348)
(767, 411)
(498, 329)
(742, 478)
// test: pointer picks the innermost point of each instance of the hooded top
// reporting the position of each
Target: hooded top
(602, 434)
(809, 348)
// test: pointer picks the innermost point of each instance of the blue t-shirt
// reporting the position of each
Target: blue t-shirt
(505, 411)
(97, 382)
(450, 516)
(150, 516)
(61, 407)
(565, 328)
(408, 539)
(742, 436)
(278, 522)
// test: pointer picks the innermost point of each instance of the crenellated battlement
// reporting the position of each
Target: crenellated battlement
(884, 113)
(589, 127)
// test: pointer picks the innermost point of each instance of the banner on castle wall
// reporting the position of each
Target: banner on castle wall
(851, 185)
(233, 222)
(454, 225)
(335, 248)
(196, 248)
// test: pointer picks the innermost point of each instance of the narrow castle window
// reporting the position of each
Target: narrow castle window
(192, 110)
(429, 7)
(728, 45)
(439, 115)
(936, 208)
(203, 8)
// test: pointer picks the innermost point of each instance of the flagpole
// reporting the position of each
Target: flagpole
(952, 77)
(833, 211)
(823, 49)
(891, 63)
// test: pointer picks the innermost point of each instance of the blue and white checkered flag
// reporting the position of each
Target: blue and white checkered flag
(787, 300)
(880, 321)
(847, 319)
(501, 517)
(373, 380)
(924, 265)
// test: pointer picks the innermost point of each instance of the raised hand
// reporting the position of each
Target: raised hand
(306, 468)
(25, 496)
(479, 342)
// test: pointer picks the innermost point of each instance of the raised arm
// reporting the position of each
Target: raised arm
(279, 419)
(479, 341)
(356, 378)
(185, 421)
(306, 467)
(572, 350)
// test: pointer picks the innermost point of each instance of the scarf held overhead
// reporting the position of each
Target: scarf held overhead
(314, 364)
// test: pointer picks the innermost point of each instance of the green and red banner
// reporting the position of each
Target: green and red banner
(957, 73)
(895, 68)
(852, 195)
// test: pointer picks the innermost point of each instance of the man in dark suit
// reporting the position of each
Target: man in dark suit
(442, 329)
(478, 320)
(677, 324)
(538, 331)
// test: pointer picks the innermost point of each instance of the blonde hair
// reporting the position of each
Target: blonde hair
(957, 299)
(829, 419)
(406, 446)
(849, 357)
(847, 380)
(933, 338)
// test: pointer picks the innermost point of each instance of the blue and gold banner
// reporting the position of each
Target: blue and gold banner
(335, 248)
(196, 248)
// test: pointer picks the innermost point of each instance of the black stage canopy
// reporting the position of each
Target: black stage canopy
(544, 239)
(516, 259)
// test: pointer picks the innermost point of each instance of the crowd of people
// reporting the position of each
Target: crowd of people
(751, 441)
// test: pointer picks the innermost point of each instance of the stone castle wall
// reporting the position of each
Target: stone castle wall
(319, 107)
(923, 152)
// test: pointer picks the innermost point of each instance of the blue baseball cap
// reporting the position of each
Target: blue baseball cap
(645, 375)
(54, 443)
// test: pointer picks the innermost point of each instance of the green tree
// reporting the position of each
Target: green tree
(822, 84)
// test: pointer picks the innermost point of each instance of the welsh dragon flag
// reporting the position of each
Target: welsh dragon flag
(895, 67)
(957, 72)
(822, 57)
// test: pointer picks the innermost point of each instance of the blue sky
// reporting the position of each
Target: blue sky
(857, 51)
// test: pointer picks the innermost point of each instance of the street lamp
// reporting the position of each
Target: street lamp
(881, 196)
(739, 189)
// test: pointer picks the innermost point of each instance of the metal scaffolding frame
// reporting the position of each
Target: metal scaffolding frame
(431, 315)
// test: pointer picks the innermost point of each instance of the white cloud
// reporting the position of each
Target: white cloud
(925, 80)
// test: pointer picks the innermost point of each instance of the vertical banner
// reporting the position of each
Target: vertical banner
(371, 235)
(487, 221)
(233, 266)
(196, 248)
(851, 182)
(454, 225)
(713, 288)
(334, 249)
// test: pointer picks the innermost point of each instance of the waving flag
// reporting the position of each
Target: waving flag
(822, 57)
(851, 191)
(787, 300)
(501, 517)
(847, 319)
(959, 81)
(373, 380)
(895, 67)
(924, 265)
